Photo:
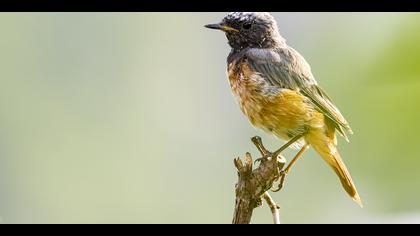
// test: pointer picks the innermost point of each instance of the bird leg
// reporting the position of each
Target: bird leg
(277, 153)
(284, 172)
(292, 141)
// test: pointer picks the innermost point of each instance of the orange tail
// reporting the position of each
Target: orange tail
(326, 147)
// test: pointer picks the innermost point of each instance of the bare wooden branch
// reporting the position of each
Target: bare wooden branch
(253, 184)
(273, 207)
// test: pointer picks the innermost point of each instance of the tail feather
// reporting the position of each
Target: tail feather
(328, 151)
(345, 178)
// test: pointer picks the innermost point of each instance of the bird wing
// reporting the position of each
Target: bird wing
(286, 68)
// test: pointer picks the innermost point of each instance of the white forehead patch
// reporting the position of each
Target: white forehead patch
(242, 16)
(239, 15)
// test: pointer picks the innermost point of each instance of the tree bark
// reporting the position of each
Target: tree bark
(253, 185)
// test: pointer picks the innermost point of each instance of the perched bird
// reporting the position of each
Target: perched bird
(275, 89)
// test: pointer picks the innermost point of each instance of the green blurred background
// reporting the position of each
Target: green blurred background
(129, 118)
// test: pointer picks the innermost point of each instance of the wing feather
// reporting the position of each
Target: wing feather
(286, 68)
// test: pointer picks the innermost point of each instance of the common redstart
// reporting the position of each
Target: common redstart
(274, 87)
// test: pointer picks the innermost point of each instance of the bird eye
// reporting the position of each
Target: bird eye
(247, 26)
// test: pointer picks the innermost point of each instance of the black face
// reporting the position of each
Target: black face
(250, 30)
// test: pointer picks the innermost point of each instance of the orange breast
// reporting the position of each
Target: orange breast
(280, 111)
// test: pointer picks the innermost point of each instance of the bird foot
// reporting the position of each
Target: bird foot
(282, 177)
(261, 159)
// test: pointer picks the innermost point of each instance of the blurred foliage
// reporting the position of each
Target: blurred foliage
(129, 118)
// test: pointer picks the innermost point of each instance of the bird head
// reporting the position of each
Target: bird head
(249, 30)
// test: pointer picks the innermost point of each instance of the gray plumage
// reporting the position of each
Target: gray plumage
(268, 54)
(277, 91)
(286, 68)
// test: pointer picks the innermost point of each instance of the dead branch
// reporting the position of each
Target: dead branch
(253, 185)
(274, 208)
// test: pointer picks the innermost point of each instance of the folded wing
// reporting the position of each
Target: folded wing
(286, 68)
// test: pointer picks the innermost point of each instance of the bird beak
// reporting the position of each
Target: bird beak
(221, 27)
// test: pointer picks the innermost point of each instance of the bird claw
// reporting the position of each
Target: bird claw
(276, 190)
(258, 160)
(261, 159)
(282, 177)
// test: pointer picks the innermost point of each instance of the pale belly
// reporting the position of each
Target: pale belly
(274, 114)
(282, 112)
